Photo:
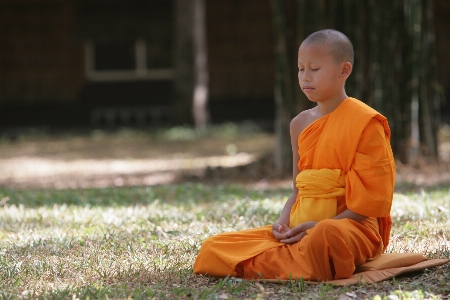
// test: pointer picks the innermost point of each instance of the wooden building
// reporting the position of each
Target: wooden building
(99, 63)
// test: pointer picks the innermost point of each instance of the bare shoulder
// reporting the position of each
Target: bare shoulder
(302, 120)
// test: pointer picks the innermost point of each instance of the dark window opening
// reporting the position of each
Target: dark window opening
(115, 56)
(158, 55)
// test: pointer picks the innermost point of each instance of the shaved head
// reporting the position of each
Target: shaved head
(338, 44)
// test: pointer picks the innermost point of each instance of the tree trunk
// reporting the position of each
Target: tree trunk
(283, 90)
(415, 28)
(430, 120)
(191, 83)
(200, 101)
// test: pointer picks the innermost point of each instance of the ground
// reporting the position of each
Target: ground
(122, 214)
(124, 157)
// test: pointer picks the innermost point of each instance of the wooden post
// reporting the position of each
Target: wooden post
(201, 91)
(191, 83)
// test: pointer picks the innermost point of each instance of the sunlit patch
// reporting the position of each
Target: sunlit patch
(26, 167)
(421, 223)
(151, 171)
(127, 158)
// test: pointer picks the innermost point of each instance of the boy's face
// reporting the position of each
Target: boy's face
(319, 75)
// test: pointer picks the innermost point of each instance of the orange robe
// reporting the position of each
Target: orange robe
(347, 163)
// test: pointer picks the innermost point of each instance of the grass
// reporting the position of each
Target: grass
(141, 242)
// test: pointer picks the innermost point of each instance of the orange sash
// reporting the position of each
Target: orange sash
(317, 195)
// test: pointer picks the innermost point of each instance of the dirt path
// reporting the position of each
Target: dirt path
(134, 158)
(119, 159)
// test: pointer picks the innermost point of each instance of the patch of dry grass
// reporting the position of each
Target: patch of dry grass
(125, 157)
(138, 243)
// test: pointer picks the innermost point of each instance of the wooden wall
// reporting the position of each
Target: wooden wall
(240, 58)
(442, 26)
(39, 60)
(42, 62)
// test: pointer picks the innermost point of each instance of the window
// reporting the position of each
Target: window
(114, 56)
(127, 60)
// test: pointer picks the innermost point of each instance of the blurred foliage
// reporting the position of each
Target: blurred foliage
(394, 70)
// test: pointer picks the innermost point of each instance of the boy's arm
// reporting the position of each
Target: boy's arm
(370, 181)
(281, 225)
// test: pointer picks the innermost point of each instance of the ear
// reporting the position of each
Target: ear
(346, 70)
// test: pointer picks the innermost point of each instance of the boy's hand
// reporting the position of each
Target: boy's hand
(297, 233)
(280, 230)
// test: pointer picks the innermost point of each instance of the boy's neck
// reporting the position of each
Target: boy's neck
(326, 107)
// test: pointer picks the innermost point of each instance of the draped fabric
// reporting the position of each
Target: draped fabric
(346, 162)
(355, 139)
(318, 191)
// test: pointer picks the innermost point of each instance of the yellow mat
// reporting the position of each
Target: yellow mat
(384, 267)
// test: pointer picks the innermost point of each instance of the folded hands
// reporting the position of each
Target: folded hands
(287, 235)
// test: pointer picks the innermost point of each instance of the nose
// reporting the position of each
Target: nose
(303, 76)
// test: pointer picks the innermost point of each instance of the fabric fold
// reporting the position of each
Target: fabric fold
(318, 191)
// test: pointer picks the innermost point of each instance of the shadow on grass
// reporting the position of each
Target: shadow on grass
(174, 194)
(411, 188)
(180, 194)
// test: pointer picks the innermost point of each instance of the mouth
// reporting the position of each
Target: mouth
(307, 88)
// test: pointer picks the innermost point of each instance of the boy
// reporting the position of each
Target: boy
(338, 216)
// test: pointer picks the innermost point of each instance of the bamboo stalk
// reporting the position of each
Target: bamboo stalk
(416, 32)
(301, 102)
(395, 81)
(432, 74)
(283, 89)
(394, 64)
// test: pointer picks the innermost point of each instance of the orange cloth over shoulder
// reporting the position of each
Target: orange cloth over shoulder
(347, 162)
(355, 138)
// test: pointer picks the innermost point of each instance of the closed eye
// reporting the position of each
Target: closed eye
(315, 69)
